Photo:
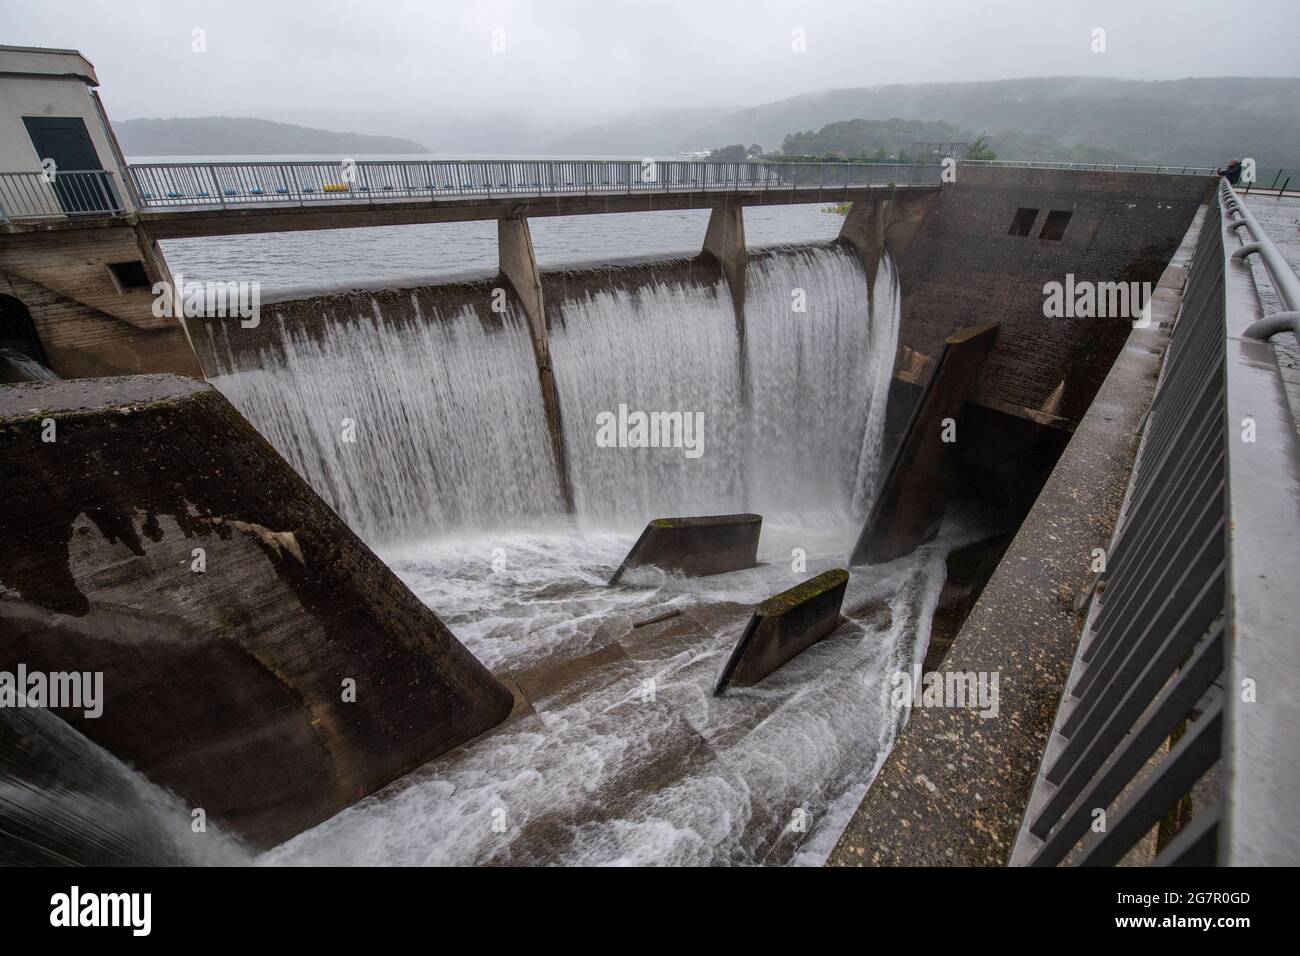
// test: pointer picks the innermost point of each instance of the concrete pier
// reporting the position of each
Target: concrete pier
(518, 262)
(257, 659)
(724, 240)
(914, 493)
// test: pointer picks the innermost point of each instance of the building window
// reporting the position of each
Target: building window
(129, 275)
(1054, 227)
(1023, 223)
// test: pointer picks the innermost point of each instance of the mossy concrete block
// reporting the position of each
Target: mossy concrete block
(709, 544)
(785, 626)
(258, 659)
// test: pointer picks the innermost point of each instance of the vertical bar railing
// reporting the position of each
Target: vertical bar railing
(1196, 605)
(228, 184)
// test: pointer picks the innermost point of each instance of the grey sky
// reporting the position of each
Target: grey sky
(567, 57)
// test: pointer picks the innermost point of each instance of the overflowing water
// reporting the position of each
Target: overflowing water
(625, 756)
(406, 429)
(663, 348)
(819, 382)
(419, 425)
(794, 433)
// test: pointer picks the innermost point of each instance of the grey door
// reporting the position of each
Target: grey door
(65, 140)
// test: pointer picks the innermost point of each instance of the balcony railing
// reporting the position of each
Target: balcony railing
(164, 185)
(39, 195)
(1189, 658)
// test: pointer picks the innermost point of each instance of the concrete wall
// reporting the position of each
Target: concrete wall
(226, 683)
(88, 324)
(953, 790)
(962, 268)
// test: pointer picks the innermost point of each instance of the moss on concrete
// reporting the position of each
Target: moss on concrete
(801, 593)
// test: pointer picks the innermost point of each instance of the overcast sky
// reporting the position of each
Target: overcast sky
(565, 57)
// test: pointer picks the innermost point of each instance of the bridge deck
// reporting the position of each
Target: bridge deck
(180, 222)
(197, 199)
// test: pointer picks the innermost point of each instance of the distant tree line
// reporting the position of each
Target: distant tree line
(861, 140)
(739, 153)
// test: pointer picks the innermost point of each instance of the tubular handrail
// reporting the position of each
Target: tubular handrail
(1280, 273)
(1163, 169)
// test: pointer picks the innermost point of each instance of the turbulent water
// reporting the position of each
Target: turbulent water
(450, 479)
(609, 775)
(67, 801)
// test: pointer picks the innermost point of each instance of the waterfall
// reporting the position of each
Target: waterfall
(820, 359)
(405, 429)
(665, 347)
(448, 430)
(801, 441)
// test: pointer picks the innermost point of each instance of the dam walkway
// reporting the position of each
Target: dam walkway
(213, 198)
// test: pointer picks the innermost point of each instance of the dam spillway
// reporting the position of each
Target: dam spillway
(447, 422)
(450, 433)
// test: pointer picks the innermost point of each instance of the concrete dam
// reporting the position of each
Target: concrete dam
(355, 578)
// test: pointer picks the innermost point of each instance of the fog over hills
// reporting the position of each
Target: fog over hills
(1198, 121)
(246, 136)
(645, 132)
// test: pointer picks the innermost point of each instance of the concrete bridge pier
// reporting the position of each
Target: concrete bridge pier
(864, 230)
(724, 241)
(518, 264)
(885, 222)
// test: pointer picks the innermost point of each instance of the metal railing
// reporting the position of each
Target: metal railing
(1169, 170)
(1189, 655)
(39, 195)
(163, 185)
(1280, 274)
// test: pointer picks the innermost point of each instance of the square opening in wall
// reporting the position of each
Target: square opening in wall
(129, 275)
(1023, 222)
(1054, 228)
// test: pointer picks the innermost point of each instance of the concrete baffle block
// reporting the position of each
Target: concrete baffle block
(913, 496)
(785, 626)
(708, 544)
(257, 659)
